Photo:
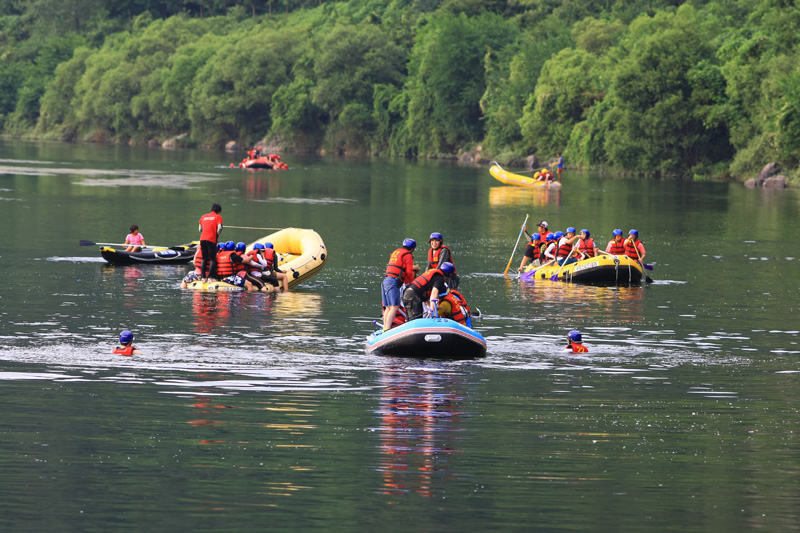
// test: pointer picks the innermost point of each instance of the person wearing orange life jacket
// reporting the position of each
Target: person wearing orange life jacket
(268, 259)
(126, 347)
(440, 254)
(453, 305)
(586, 244)
(231, 267)
(426, 288)
(532, 252)
(634, 248)
(400, 270)
(574, 342)
(616, 246)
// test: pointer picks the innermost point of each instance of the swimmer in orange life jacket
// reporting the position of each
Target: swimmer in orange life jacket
(574, 342)
(126, 345)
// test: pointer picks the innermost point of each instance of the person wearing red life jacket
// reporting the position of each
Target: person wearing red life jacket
(586, 245)
(232, 267)
(400, 271)
(550, 248)
(263, 259)
(616, 246)
(533, 252)
(634, 248)
(440, 254)
(426, 288)
(210, 228)
(566, 253)
(126, 347)
(574, 342)
(453, 305)
(194, 275)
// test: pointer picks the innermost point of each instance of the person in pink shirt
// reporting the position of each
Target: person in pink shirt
(135, 240)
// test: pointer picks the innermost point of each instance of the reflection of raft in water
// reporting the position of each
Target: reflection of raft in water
(439, 338)
(509, 178)
(302, 256)
(523, 196)
(604, 269)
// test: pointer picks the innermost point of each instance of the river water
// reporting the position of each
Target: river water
(254, 412)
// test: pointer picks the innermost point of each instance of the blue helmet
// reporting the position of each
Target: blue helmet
(435, 235)
(574, 335)
(230, 246)
(241, 247)
(410, 243)
(447, 268)
(616, 232)
(570, 230)
(550, 237)
(125, 337)
(586, 231)
(258, 246)
(633, 232)
(535, 236)
(559, 234)
(268, 245)
(220, 246)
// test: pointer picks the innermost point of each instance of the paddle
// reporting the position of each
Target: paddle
(83, 242)
(554, 277)
(249, 227)
(529, 274)
(647, 278)
(515, 245)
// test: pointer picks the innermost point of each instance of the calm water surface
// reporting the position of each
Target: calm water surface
(254, 412)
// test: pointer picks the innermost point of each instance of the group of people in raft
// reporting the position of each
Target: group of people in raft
(272, 159)
(565, 247)
(407, 295)
(231, 262)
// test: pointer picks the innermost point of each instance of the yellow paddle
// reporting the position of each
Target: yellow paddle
(505, 273)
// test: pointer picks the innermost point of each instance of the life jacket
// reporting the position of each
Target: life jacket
(271, 257)
(617, 248)
(395, 267)
(586, 246)
(254, 255)
(578, 348)
(536, 249)
(433, 257)
(459, 309)
(631, 249)
(425, 279)
(564, 250)
(226, 267)
(198, 258)
(124, 350)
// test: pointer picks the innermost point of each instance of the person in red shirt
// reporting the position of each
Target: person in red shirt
(125, 345)
(401, 269)
(210, 228)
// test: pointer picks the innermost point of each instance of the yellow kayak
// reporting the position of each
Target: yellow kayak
(509, 178)
(301, 252)
(604, 269)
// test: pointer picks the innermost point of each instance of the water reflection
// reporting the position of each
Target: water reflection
(420, 416)
(261, 185)
(523, 196)
(587, 303)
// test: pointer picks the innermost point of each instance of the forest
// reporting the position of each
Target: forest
(697, 89)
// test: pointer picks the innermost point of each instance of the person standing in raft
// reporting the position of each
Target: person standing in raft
(126, 347)
(426, 288)
(559, 165)
(634, 247)
(574, 342)
(135, 239)
(400, 270)
(440, 254)
(210, 228)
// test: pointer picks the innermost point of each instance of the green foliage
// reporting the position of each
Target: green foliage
(654, 86)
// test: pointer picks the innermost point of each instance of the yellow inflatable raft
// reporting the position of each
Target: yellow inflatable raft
(604, 269)
(301, 252)
(509, 178)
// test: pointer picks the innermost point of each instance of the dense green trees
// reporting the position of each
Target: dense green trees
(705, 88)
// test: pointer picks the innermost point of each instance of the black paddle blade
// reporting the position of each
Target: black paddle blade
(86, 243)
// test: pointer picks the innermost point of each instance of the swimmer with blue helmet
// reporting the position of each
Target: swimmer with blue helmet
(574, 340)
(126, 347)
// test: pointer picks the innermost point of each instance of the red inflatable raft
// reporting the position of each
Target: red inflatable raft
(270, 161)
